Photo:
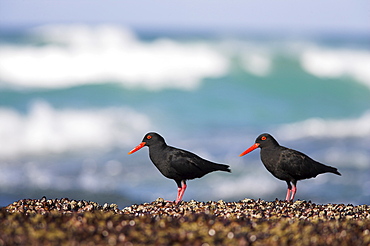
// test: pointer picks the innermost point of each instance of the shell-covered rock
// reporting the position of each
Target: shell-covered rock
(247, 222)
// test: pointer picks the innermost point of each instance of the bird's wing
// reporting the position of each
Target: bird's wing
(184, 160)
(298, 164)
(189, 165)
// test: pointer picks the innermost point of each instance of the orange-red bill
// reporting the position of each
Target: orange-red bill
(137, 148)
(250, 149)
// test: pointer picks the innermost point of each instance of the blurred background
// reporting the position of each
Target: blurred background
(81, 82)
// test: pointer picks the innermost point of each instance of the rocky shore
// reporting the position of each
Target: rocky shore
(246, 222)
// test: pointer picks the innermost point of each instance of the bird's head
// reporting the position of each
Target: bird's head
(262, 141)
(148, 140)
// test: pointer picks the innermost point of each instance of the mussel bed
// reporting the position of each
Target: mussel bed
(246, 222)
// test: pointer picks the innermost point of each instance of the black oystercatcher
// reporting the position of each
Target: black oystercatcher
(175, 163)
(287, 164)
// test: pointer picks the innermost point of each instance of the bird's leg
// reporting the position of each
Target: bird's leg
(181, 192)
(294, 190)
(287, 198)
(179, 189)
(181, 184)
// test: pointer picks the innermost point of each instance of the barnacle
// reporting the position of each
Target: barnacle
(70, 222)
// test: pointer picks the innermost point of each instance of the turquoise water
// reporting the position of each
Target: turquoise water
(75, 99)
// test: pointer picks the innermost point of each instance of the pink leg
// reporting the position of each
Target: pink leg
(183, 190)
(287, 198)
(180, 192)
(178, 195)
(294, 190)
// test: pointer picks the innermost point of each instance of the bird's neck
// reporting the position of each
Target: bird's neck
(157, 153)
(270, 148)
(157, 148)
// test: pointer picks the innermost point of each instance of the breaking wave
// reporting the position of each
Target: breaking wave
(336, 63)
(77, 55)
(45, 129)
(60, 56)
(323, 128)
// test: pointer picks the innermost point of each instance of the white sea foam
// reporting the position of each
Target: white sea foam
(320, 128)
(76, 55)
(330, 63)
(253, 57)
(45, 129)
(257, 64)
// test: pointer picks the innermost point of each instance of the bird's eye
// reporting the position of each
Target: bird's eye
(148, 137)
(263, 138)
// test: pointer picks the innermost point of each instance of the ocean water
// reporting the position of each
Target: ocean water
(75, 99)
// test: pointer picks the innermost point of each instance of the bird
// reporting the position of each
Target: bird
(177, 164)
(287, 164)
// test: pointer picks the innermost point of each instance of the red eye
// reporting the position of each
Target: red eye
(263, 138)
(148, 137)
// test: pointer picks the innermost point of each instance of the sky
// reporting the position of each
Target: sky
(345, 16)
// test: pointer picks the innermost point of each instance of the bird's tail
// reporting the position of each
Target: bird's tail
(336, 172)
(333, 170)
(223, 167)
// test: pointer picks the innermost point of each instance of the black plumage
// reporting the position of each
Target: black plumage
(287, 164)
(177, 164)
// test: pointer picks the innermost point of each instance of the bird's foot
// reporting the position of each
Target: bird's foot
(178, 202)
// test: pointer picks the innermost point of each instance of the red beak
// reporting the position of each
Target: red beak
(250, 149)
(137, 148)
